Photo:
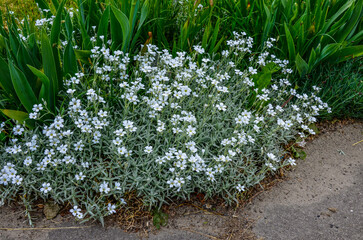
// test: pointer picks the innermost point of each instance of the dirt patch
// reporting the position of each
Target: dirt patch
(319, 199)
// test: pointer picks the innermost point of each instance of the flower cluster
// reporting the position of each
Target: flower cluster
(161, 125)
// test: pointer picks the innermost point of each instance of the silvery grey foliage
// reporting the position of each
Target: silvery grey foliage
(159, 125)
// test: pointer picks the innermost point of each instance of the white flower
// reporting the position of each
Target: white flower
(78, 146)
(18, 130)
(102, 113)
(117, 186)
(291, 161)
(122, 150)
(272, 157)
(76, 212)
(46, 188)
(123, 202)
(128, 124)
(37, 108)
(198, 48)
(221, 107)
(117, 141)
(252, 70)
(28, 160)
(17, 180)
(269, 165)
(111, 208)
(104, 188)
(148, 149)
(80, 176)
(191, 130)
(240, 188)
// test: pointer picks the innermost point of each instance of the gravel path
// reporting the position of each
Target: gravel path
(320, 199)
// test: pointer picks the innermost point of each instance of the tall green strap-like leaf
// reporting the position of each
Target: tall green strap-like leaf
(47, 92)
(55, 3)
(20, 116)
(22, 88)
(14, 44)
(2, 42)
(312, 59)
(206, 34)
(345, 54)
(69, 27)
(133, 14)
(54, 39)
(336, 15)
(329, 49)
(125, 27)
(357, 37)
(56, 27)
(103, 25)
(214, 36)
(301, 65)
(144, 13)
(1, 19)
(49, 65)
(69, 60)
(290, 43)
(5, 78)
(351, 24)
(86, 40)
(24, 58)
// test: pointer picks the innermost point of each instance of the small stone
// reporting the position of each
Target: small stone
(51, 210)
(333, 210)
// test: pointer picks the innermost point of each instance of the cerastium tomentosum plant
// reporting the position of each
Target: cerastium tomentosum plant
(162, 126)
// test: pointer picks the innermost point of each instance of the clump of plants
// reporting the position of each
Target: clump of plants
(161, 125)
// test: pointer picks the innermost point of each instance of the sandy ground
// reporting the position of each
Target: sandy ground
(321, 198)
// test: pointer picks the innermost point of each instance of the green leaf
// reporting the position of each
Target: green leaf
(346, 53)
(125, 27)
(290, 43)
(83, 55)
(49, 65)
(214, 36)
(301, 65)
(46, 92)
(56, 27)
(116, 34)
(5, 78)
(2, 42)
(55, 3)
(103, 25)
(69, 27)
(336, 15)
(328, 50)
(16, 115)
(312, 59)
(69, 60)
(144, 13)
(263, 78)
(86, 41)
(22, 88)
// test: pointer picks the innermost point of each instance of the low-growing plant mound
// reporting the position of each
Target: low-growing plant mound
(161, 126)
